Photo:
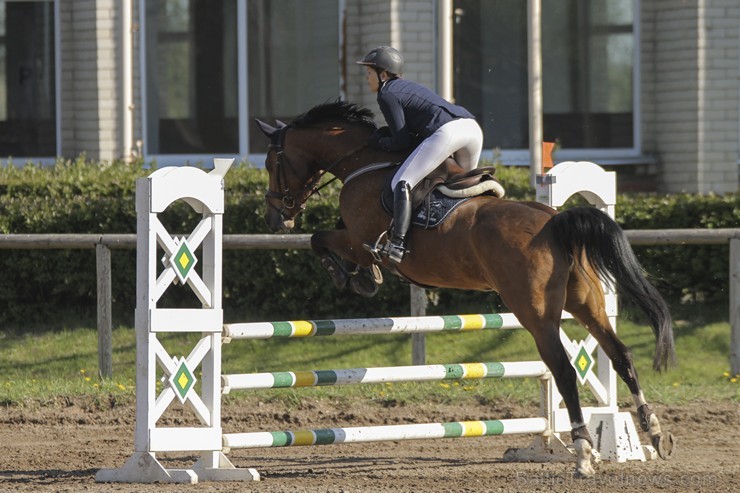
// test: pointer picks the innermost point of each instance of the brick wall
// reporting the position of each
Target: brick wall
(690, 71)
(648, 113)
(90, 78)
(416, 23)
(368, 26)
(719, 69)
(690, 92)
(406, 25)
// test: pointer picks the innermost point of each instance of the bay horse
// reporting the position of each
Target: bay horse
(541, 262)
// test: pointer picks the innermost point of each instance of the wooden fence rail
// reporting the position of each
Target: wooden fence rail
(104, 243)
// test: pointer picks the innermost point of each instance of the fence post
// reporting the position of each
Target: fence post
(735, 305)
(418, 301)
(105, 335)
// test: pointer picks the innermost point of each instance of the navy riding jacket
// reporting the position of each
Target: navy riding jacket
(413, 113)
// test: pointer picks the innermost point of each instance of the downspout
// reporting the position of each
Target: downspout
(58, 79)
(342, 50)
(704, 183)
(444, 49)
(534, 35)
(128, 81)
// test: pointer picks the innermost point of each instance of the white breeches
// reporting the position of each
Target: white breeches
(461, 138)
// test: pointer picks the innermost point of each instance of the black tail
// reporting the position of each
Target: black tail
(610, 254)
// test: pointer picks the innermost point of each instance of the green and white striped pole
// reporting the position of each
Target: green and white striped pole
(329, 436)
(315, 378)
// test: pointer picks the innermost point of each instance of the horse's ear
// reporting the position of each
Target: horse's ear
(280, 124)
(266, 129)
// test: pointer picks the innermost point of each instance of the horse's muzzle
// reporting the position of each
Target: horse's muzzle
(277, 222)
(286, 226)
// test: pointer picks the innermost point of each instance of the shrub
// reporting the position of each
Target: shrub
(54, 288)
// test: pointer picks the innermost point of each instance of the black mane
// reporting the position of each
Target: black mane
(335, 110)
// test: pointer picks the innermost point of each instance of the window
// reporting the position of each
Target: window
(27, 79)
(588, 58)
(191, 77)
(293, 59)
(206, 81)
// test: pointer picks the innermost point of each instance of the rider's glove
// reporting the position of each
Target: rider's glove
(374, 140)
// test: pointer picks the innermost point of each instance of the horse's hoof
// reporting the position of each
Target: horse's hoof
(363, 284)
(584, 472)
(665, 444)
(584, 469)
(338, 275)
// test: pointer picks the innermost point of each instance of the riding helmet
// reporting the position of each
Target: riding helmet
(384, 58)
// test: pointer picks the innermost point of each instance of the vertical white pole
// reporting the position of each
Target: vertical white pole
(146, 279)
(243, 78)
(211, 365)
(444, 49)
(128, 80)
(534, 38)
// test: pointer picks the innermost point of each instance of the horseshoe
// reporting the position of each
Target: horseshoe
(665, 444)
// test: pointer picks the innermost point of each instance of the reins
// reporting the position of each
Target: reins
(285, 197)
(332, 165)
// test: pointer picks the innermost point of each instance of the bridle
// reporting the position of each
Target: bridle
(283, 165)
(286, 199)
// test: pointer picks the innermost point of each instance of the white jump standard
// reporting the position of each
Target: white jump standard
(205, 194)
(614, 432)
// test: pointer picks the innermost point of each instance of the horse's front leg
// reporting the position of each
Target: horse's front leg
(341, 260)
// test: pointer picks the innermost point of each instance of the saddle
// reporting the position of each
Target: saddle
(446, 188)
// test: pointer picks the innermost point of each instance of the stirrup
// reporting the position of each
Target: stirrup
(387, 251)
(394, 252)
(376, 249)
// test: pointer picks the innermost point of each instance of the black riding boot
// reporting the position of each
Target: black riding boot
(401, 221)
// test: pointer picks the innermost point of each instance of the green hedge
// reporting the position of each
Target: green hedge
(54, 288)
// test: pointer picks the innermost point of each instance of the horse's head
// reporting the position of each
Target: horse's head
(317, 142)
(291, 180)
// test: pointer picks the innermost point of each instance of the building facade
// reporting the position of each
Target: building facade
(650, 88)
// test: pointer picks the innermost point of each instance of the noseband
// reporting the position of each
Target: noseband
(286, 198)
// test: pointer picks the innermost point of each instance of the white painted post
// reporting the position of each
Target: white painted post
(204, 192)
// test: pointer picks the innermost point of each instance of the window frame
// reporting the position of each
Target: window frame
(244, 154)
(612, 156)
(48, 160)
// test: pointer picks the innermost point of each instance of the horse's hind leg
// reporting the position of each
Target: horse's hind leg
(553, 354)
(546, 333)
(585, 301)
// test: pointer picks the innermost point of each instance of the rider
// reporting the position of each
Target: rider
(416, 117)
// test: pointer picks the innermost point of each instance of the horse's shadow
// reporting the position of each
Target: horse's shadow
(279, 467)
(38, 476)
